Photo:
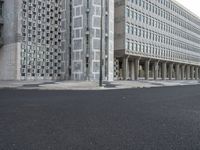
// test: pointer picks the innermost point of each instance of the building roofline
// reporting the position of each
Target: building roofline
(186, 9)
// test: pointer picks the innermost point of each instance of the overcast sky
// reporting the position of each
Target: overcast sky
(192, 5)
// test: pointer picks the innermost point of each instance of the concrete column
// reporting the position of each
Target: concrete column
(164, 70)
(192, 72)
(196, 73)
(137, 65)
(188, 72)
(177, 72)
(147, 63)
(125, 68)
(182, 72)
(156, 70)
(199, 73)
(132, 70)
(171, 65)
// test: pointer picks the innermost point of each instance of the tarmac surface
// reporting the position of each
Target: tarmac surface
(159, 118)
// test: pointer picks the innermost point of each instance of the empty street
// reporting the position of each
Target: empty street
(165, 118)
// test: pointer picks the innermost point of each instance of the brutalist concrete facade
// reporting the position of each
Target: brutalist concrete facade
(32, 40)
(157, 39)
(85, 39)
(60, 39)
(56, 39)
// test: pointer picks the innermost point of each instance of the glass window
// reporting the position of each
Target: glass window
(1, 8)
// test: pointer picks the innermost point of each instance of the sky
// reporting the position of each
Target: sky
(192, 5)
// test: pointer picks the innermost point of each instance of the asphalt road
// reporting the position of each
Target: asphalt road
(136, 119)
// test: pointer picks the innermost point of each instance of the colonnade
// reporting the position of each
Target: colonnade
(135, 68)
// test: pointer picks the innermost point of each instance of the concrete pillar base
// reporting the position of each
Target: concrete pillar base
(164, 70)
(137, 65)
(192, 73)
(177, 72)
(188, 73)
(170, 70)
(156, 70)
(147, 63)
(125, 68)
(132, 69)
(197, 73)
(182, 72)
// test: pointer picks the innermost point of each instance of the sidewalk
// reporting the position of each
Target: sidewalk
(89, 85)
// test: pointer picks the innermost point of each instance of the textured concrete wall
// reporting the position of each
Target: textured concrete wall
(10, 52)
(77, 40)
(10, 62)
(66, 35)
(119, 25)
(111, 40)
(87, 23)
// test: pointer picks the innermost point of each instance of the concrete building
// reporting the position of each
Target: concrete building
(31, 40)
(55, 39)
(61, 39)
(83, 34)
(157, 39)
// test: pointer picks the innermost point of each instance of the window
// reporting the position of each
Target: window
(128, 12)
(1, 9)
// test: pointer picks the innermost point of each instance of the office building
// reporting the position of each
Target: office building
(156, 39)
(61, 40)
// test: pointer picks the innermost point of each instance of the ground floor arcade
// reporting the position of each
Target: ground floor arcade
(135, 68)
